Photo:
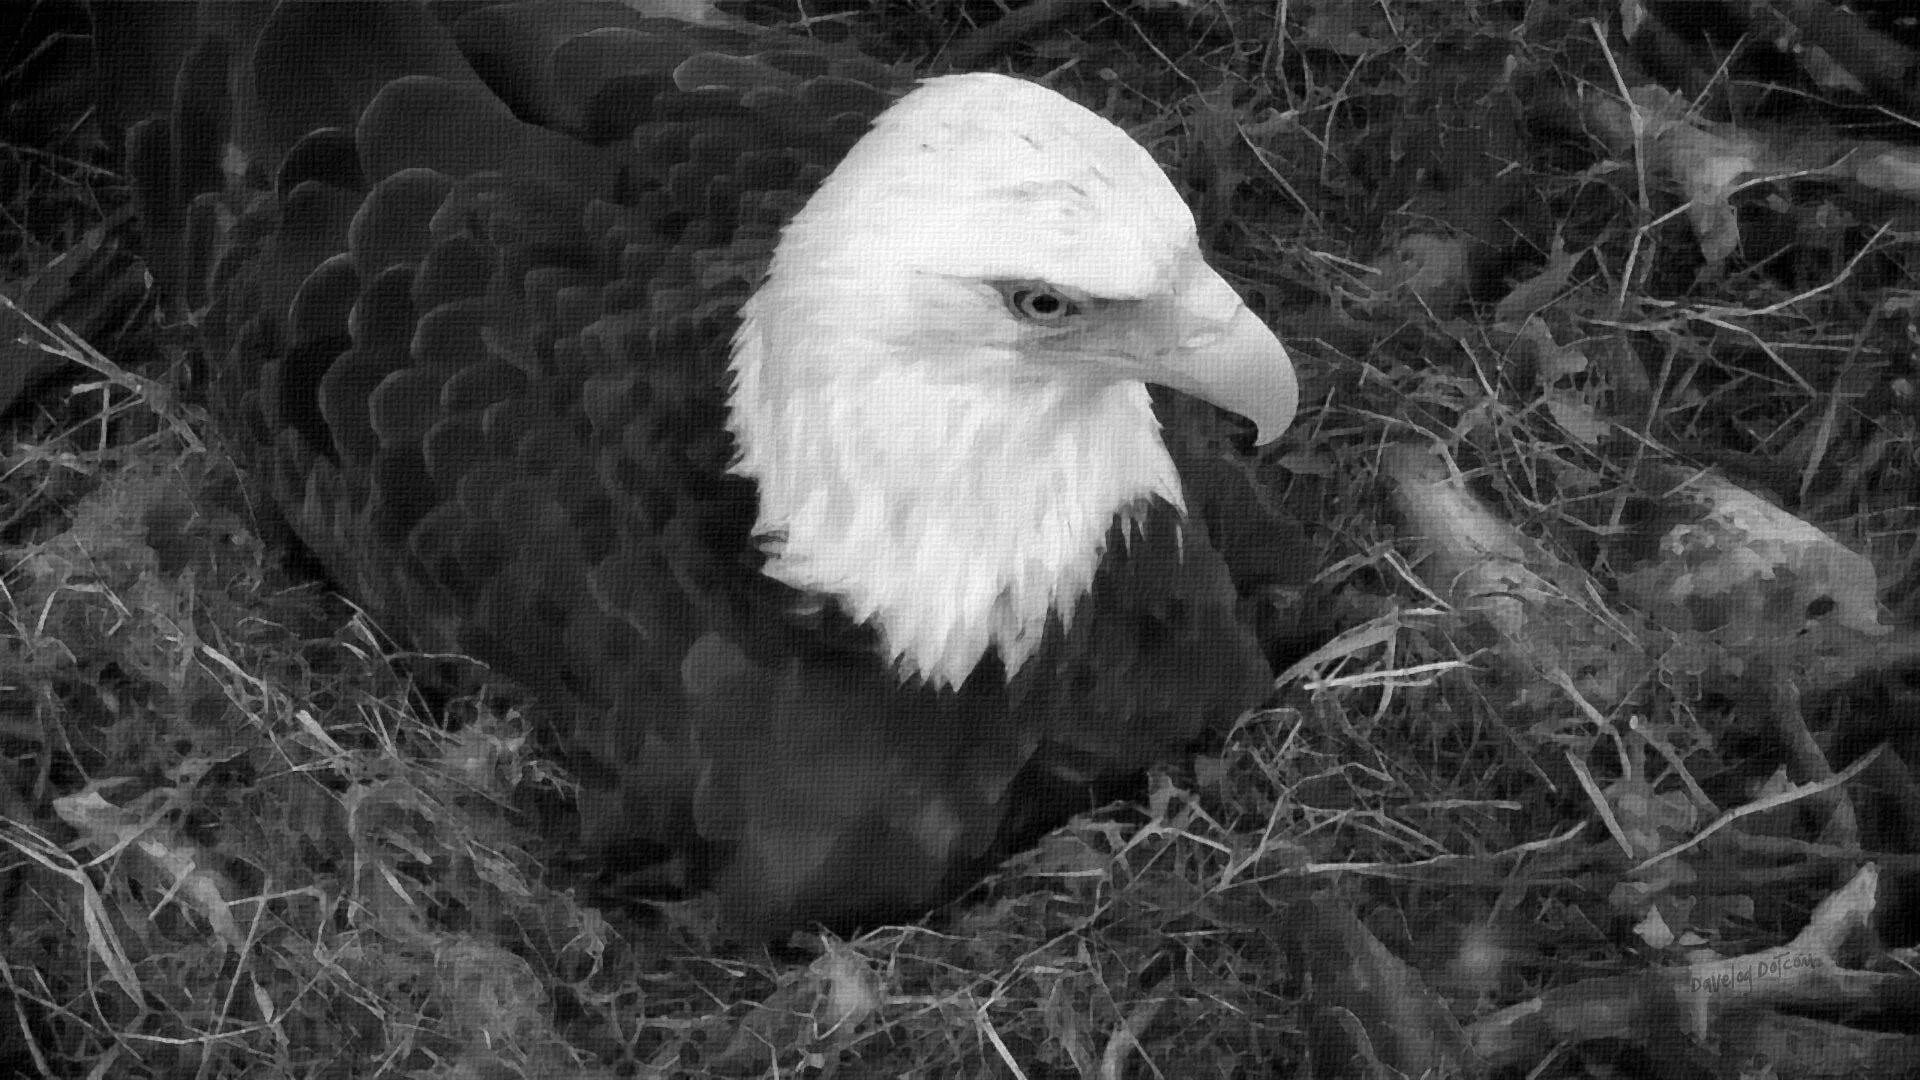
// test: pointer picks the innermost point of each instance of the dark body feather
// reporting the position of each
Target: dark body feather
(471, 329)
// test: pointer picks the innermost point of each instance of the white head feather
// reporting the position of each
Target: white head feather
(943, 468)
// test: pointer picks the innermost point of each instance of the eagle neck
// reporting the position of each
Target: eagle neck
(953, 515)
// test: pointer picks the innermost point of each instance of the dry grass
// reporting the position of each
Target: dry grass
(238, 842)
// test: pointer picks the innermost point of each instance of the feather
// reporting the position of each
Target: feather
(683, 373)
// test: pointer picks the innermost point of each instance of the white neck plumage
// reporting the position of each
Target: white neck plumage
(953, 516)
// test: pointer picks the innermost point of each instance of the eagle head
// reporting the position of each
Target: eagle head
(940, 388)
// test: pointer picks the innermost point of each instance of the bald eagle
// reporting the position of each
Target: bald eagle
(783, 422)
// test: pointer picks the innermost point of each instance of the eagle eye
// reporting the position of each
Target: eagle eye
(1040, 303)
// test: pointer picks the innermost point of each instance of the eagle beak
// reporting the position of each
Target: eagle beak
(1224, 355)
